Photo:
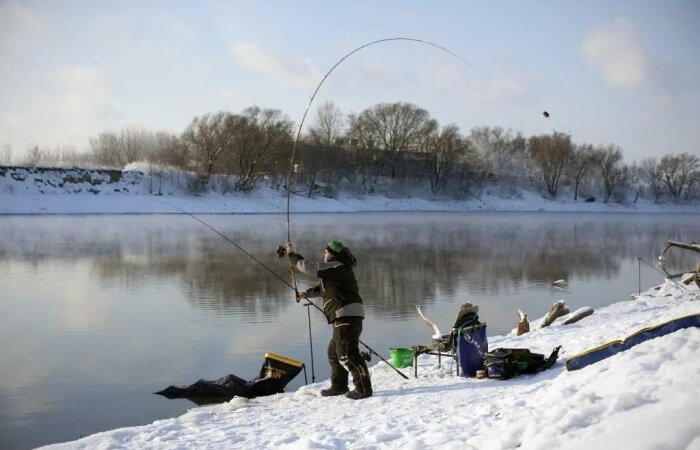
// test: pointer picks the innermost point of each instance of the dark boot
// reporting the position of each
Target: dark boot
(331, 391)
(357, 395)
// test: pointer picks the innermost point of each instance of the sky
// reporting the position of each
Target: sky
(608, 72)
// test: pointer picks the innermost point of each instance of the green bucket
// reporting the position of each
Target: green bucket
(401, 357)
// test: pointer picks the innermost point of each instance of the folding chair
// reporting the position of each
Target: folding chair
(457, 344)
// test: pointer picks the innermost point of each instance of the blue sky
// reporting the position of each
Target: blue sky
(625, 73)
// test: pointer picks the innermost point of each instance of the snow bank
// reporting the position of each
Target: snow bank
(643, 398)
(80, 191)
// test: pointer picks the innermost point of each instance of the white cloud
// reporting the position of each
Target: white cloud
(85, 79)
(83, 91)
(614, 51)
(235, 97)
(664, 89)
(294, 72)
(13, 121)
(496, 90)
(72, 103)
(18, 23)
(18, 13)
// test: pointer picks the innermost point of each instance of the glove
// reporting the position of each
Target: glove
(285, 250)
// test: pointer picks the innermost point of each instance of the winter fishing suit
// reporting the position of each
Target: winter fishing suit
(342, 306)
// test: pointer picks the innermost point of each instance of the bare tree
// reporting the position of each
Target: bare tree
(517, 167)
(365, 150)
(392, 128)
(635, 180)
(491, 143)
(652, 175)
(71, 156)
(321, 167)
(609, 161)
(117, 149)
(693, 189)
(550, 153)
(488, 142)
(324, 137)
(34, 155)
(167, 149)
(581, 160)
(329, 126)
(679, 172)
(135, 143)
(6, 153)
(167, 156)
(208, 137)
(503, 154)
(259, 138)
(444, 148)
(105, 149)
(471, 174)
(428, 144)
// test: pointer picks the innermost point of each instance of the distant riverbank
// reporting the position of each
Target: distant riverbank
(79, 191)
(274, 202)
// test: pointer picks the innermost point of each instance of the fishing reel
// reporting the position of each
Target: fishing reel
(367, 356)
(281, 251)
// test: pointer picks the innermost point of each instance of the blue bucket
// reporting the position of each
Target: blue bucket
(472, 347)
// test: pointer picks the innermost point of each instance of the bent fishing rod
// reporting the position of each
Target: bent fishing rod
(318, 87)
(290, 172)
(309, 302)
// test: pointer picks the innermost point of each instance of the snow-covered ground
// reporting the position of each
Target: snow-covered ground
(643, 398)
(76, 191)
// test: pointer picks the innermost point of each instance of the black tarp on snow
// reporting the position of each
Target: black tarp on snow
(275, 373)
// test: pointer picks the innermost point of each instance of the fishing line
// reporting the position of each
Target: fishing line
(231, 241)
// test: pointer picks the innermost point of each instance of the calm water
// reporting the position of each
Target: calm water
(98, 312)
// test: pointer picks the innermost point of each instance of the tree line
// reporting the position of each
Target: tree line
(392, 148)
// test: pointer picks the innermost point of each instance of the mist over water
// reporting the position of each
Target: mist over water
(98, 312)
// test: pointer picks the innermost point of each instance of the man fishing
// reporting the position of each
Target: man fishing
(343, 308)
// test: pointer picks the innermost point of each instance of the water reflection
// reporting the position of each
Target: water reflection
(403, 258)
(115, 307)
(401, 255)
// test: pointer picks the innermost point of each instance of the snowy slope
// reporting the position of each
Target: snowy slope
(80, 191)
(644, 398)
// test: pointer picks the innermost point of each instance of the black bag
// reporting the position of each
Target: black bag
(505, 363)
(275, 373)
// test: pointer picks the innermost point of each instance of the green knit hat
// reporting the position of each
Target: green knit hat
(335, 247)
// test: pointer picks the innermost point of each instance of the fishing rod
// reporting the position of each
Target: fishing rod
(309, 302)
(290, 172)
